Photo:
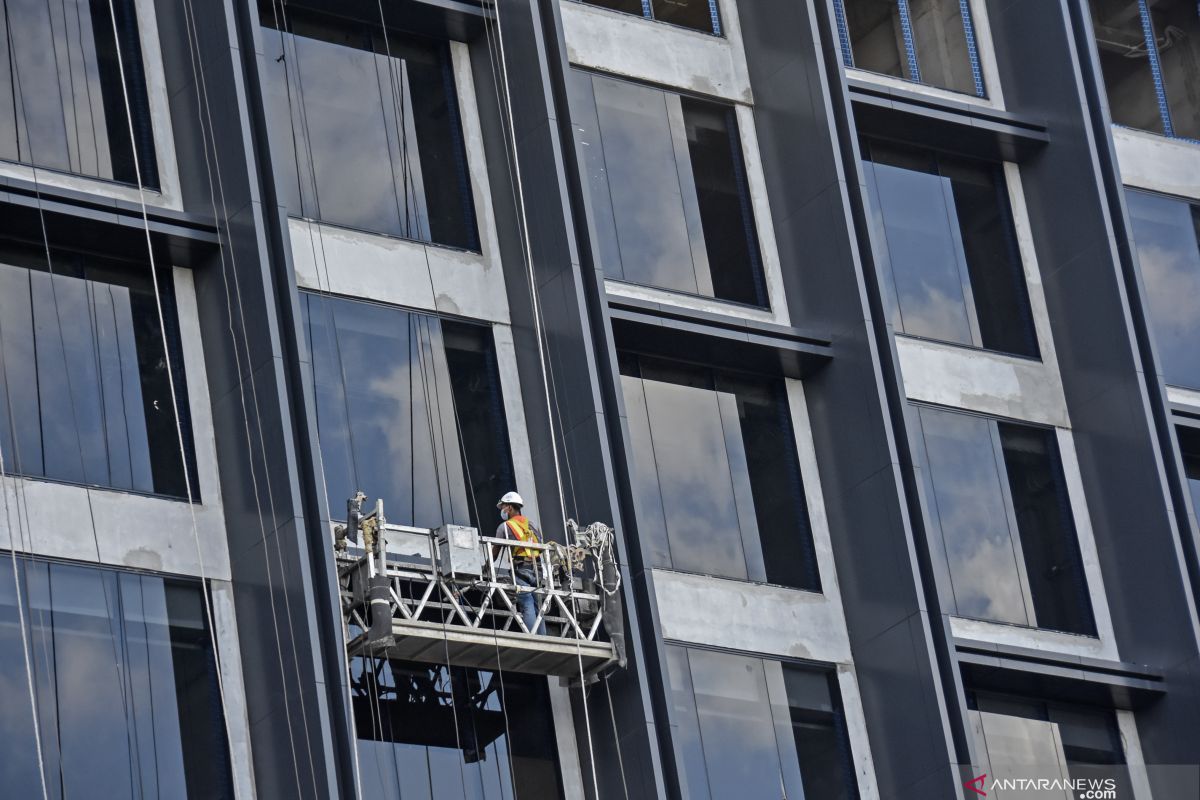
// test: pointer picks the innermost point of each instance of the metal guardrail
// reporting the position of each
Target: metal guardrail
(450, 595)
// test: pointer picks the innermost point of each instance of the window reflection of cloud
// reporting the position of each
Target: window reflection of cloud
(973, 517)
(935, 314)
(1172, 280)
(923, 253)
(644, 182)
(346, 126)
(735, 716)
(1165, 235)
(693, 470)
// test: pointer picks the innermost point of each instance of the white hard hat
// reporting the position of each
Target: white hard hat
(511, 498)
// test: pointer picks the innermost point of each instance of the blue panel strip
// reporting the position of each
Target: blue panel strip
(972, 50)
(906, 30)
(1160, 90)
(646, 12)
(839, 13)
(716, 17)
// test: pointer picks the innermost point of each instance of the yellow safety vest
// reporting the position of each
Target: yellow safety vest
(522, 531)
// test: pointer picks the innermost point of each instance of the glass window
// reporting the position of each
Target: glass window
(1001, 515)
(428, 731)
(945, 234)
(1149, 54)
(65, 109)
(365, 128)
(717, 477)
(84, 395)
(1189, 447)
(669, 193)
(1166, 235)
(699, 15)
(750, 727)
(126, 690)
(1062, 740)
(924, 41)
(408, 409)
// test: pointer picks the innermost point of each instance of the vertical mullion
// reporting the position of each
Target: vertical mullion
(972, 49)
(715, 16)
(910, 48)
(1160, 90)
(647, 12)
(839, 13)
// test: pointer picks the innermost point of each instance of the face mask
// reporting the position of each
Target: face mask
(504, 514)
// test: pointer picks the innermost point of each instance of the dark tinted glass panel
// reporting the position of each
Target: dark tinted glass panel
(654, 212)
(628, 6)
(1125, 62)
(366, 129)
(1189, 448)
(969, 506)
(63, 107)
(725, 214)
(125, 686)
(748, 727)
(998, 500)
(940, 41)
(1046, 527)
(668, 187)
(717, 474)
(1090, 737)
(989, 242)
(425, 731)
(479, 406)
(922, 246)
(401, 397)
(877, 37)
(84, 394)
(1176, 25)
(685, 725)
(737, 726)
(700, 15)
(773, 469)
(1166, 234)
(948, 240)
(819, 732)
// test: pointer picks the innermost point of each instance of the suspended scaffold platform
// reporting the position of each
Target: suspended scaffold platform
(449, 595)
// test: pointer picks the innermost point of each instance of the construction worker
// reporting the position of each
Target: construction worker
(524, 559)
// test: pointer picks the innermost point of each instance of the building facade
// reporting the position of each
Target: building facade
(869, 326)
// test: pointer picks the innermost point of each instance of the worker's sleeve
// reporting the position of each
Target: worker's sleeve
(502, 531)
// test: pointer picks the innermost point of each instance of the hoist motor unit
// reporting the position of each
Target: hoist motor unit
(459, 551)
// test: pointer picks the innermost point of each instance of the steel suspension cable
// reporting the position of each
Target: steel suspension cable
(204, 112)
(53, 281)
(26, 642)
(516, 183)
(218, 658)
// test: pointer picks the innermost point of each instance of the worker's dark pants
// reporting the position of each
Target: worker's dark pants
(526, 575)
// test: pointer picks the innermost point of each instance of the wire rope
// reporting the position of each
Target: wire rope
(331, 329)
(551, 399)
(119, 666)
(171, 384)
(26, 642)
